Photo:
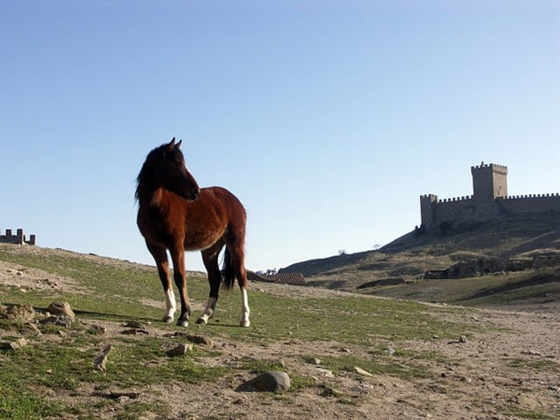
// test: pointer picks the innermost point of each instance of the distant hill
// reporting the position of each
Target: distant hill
(512, 236)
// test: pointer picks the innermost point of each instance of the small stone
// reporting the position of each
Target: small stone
(135, 325)
(361, 371)
(325, 372)
(389, 351)
(345, 350)
(314, 361)
(121, 394)
(135, 331)
(328, 391)
(200, 339)
(275, 381)
(463, 339)
(180, 350)
(97, 330)
(14, 345)
(101, 360)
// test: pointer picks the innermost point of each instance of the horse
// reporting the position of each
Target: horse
(176, 215)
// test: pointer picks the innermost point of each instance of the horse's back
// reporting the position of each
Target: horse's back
(208, 218)
(221, 197)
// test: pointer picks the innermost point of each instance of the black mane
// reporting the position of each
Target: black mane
(147, 179)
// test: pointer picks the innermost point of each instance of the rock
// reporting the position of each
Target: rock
(180, 350)
(135, 325)
(463, 339)
(314, 361)
(18, 313)
(101, 360)
(327, 391)
(200, 339)
(58, 320)
(267, 382)
(62, 309)
(361, 371)
(29, 328)
(97, 330)
(14, 345)
(389, 351)
(325, 372)
(135, 331)
(123, 394)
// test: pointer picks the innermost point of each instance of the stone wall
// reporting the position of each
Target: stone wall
(18, 238)
(488, 201)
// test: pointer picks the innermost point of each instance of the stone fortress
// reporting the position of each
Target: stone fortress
(18, 238)
(489, 200)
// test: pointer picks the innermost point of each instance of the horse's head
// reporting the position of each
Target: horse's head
(165, 168)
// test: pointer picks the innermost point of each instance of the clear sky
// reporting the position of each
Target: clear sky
(328, 119)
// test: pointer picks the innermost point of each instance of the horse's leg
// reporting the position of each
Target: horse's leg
(236, 245)
(180, 277)
(210, 259)
(160, 257)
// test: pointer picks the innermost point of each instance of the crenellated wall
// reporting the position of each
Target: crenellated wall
(18, 238)
(533, 203)
(488, 201)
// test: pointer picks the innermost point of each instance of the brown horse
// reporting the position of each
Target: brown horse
(176, 215)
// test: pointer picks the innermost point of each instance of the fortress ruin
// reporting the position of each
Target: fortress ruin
(18, 238)
(489, 200)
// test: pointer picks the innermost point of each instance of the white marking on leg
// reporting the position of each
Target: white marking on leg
(208, 311)
(245, 311)
(170, 305)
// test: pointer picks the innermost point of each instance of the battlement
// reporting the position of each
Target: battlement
(18, 238)
(489, 200)
(515, 197)
(492, 166)
(455, 199)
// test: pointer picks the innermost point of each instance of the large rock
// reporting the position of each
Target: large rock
(62, 309)
(275, 381)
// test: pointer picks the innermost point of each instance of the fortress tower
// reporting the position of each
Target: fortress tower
(489, 182)
(489, 200)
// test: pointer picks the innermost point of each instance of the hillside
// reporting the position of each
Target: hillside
(514, 237)
(347, 356)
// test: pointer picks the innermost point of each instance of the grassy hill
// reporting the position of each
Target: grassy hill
(520, 236)
(347, 355)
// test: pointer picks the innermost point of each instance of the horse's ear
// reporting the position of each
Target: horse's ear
(171, 145)
(179, 144)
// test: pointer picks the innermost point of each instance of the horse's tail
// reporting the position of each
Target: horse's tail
(228, 270)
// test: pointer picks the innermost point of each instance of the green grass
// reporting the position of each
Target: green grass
(117, 293)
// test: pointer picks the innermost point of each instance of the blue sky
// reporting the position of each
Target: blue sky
(328, 119)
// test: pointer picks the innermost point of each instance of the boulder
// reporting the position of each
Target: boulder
(62, 309)
(275, 381)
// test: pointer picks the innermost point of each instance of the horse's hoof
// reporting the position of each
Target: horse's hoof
(201, 321)
(167, 319)
(245, 324)
(182, 323)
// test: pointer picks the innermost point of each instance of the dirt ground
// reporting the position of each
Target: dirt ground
(510, 374)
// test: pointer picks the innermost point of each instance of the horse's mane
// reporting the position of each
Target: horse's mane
(146, 182)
